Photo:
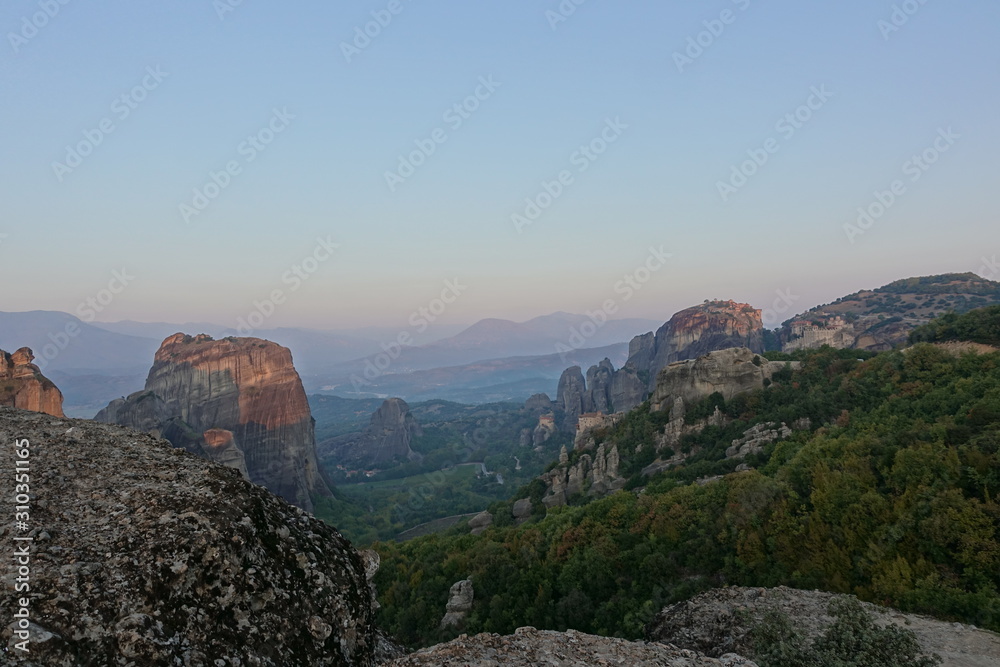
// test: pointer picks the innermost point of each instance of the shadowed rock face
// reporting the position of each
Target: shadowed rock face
(571, 397)
(145, 555)
(728, 372)
(23, 386)
(245, 386)
(387, 438)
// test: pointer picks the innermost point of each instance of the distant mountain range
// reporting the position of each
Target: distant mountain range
(93, 363)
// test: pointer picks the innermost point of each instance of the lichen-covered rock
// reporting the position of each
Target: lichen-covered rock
(529, 647)
(23, 386)
(246, 386)
(146, 555)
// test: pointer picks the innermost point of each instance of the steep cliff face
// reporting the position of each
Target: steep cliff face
(571, 397)
(728, 372)
(387, 439)
(245, 386)
(599, 387)
(145, 555)
(690, 333)
(23, 386)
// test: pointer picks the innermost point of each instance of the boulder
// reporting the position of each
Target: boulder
(459, 605)
(145, 554)
(480, 523)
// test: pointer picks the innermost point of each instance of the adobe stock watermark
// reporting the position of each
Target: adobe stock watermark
(772, 317)
(87, 310)
(626, 288)
(363, 35)
(900, 16)
(296, 276)
(581, 159)
(455, 116)
(31, 25)
(786, 126)
(562, 13)
(21, 625)
(915, 168)
(990, 268)
(121, 108)
(419, 320)
(698, 44)
(248, 150)
(223, 7)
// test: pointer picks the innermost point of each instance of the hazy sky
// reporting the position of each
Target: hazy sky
(189, 89)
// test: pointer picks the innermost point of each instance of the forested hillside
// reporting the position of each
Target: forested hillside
(891, 495)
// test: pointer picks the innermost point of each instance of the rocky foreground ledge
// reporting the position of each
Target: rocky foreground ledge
(719, 621)
(529, 647)
(142, 554)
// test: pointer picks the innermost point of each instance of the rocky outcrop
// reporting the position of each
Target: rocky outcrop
(538, 403)
(728, 372)
(246, 386)
(596, 475)
(386, 440)
(143, 554)
(479, 523)
(690, 333)
(598, 396)
(546, 429)
(459, 605)
(23, 386)
(755, 438)
(529, 647)
(571, 397)
(718, 621)
(521, 511)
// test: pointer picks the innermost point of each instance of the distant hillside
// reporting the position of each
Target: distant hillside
(540, 335)
(976, 326)
(491, 380)
(882, 318)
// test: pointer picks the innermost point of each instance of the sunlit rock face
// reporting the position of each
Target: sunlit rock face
(23, 386)
(245, 387)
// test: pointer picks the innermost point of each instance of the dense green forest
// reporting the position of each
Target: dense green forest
(458, 442)
(890, 495)
(978, 326)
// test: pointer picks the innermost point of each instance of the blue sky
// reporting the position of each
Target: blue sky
(555, 88)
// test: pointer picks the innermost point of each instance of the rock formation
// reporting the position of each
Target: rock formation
(755, 438)
(459, 605)
(728, 372)
(571, 397)
(386, 439)
(690, 333)
(23, 386)
(529, 647)
(143, 554)
(595, 475)
(521, 511)
(538, 403)
(479, 523)
(718, 621)
(246, 386)
(598, 397)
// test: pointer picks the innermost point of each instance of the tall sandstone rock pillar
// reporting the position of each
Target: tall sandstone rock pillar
(246, 386)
